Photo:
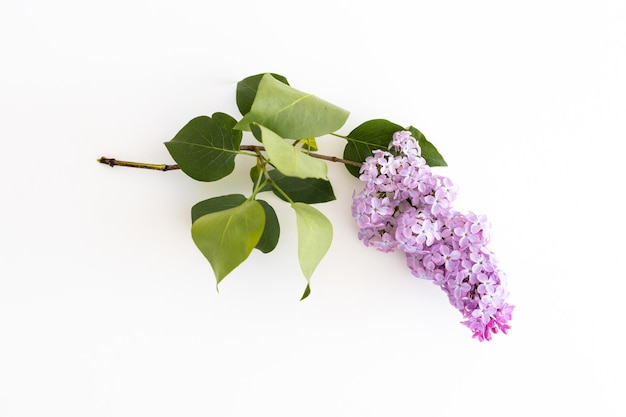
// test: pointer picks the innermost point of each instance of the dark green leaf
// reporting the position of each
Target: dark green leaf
(247, 88)
(429, 152)
(271, 233)
(302, 190)
(306, 293)
(291, 113)
(205, 148)
(367, 137)
(214, 204)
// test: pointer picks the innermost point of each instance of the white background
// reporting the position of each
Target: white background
(108, 309)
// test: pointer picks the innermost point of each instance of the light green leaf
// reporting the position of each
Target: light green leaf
(310, 144)
(227, 237)
(287, 158)
(315, 234)
(247, 88)
(271, 232)
(291, 113)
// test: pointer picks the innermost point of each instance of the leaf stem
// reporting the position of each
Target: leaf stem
(340, 136)
(277, 188)
(262, 180)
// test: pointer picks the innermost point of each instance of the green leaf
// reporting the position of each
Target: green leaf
(300, 190)
(214, 204)
(271, 232)
(306, 293)
(291, 113)
(226, 121)
(367, 137)
(310, 144)
(287, 158)
(247, 88)
(315, 234)
(429, 152)
(303, 190)
(227, 237)
(205, 148)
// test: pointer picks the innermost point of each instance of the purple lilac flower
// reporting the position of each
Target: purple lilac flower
(405, 206)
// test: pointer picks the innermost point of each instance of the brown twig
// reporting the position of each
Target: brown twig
(112, 162)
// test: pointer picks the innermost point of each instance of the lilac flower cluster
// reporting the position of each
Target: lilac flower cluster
(406, 206)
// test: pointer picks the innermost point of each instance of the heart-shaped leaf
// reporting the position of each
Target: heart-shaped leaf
(227, 237)
(287, 158)
(315, 234)
(291, 113)
(205, 148)
(271, 232)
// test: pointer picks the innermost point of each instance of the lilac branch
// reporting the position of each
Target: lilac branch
(112, 162)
